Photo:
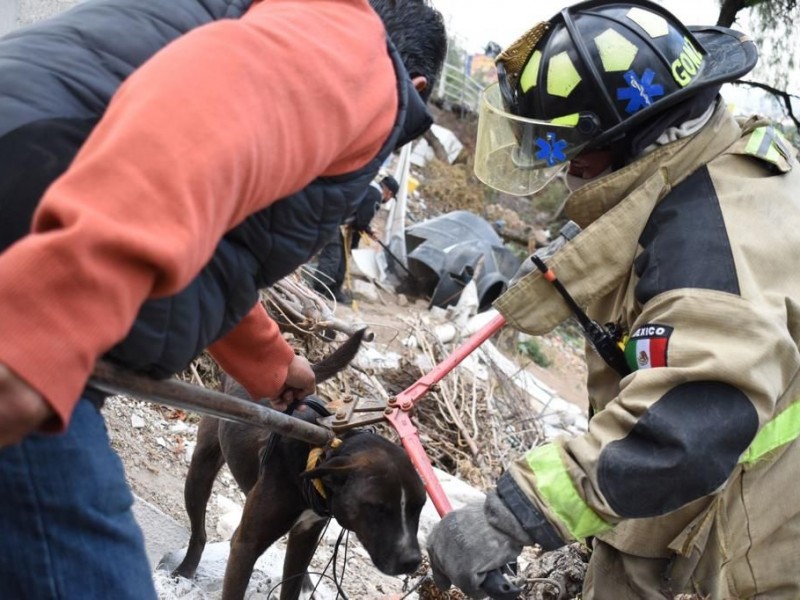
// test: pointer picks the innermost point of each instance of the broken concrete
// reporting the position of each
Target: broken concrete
(161, 532)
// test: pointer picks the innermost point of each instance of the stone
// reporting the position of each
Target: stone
(364, 291)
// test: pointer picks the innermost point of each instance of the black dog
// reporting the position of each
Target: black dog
(366, 483)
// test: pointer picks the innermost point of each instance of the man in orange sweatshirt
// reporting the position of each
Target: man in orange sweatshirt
(161, 162)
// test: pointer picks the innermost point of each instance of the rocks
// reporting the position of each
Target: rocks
(364, 291)
(557, 575)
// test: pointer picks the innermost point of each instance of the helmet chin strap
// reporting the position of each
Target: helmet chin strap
(589, 164)
(574, 183)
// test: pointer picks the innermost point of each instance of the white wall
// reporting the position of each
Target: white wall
(17, 13)
(9, 13)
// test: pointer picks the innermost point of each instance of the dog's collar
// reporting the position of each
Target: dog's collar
(275, 437)
(314, 457)
(313, 490)
(319, 501)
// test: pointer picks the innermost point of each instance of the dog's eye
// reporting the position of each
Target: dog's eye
(381, 509)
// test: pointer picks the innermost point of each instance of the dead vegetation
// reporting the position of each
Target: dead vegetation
(469, 426)
(452, 187)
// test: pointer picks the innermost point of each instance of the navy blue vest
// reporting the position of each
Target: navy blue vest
(56, 80)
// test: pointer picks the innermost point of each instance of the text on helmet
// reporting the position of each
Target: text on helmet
(687, 65)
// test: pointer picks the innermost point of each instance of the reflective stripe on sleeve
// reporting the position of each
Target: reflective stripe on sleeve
(781, 430)
(560, 495)
(769, 144)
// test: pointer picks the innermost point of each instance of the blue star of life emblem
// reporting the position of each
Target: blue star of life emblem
(551, 149)
(640, 92)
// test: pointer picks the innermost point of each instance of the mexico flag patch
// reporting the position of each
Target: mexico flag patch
(647, 347)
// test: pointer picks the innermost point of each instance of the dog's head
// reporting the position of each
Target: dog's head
(374, 491)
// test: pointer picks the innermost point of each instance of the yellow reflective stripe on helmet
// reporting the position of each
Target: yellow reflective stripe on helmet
(567, 120)
(562, 76)
(781, 430)
(616, 52)
(531, 73)
(655, 25)
(561, 495)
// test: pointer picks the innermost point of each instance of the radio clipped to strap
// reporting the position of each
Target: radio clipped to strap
(606, 344)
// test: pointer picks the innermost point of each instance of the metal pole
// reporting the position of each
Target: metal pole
(178, 394)
(391, 255)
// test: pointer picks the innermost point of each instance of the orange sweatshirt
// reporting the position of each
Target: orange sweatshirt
(217, 125)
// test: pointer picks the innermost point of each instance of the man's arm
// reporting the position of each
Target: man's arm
(216, 126)
(367, 208)
(255, 354)
(675, 433)
(21, 410)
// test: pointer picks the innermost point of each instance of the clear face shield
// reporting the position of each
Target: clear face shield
(520, 156)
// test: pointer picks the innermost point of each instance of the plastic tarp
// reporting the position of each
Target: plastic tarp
(447, 252)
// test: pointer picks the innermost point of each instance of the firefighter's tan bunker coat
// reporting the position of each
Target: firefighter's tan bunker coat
(689, 476)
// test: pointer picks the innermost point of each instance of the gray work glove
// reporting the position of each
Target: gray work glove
(472, 541)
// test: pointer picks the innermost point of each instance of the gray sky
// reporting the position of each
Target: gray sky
(476, 22)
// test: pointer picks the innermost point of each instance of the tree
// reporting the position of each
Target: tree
(772, 27)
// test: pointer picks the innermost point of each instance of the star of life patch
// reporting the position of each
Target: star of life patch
(647, 347)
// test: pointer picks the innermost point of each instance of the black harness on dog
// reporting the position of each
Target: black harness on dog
(314, 493)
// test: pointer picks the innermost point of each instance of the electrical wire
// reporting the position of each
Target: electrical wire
(340, 593)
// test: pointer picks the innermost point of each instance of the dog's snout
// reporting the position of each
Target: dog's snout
(398, 562)
(406, 561)
(409, 562)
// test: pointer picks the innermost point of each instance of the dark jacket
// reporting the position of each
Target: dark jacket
(367, 208)
(56, 82)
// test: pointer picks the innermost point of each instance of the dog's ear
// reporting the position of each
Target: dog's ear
(333, 472)
(340, 358)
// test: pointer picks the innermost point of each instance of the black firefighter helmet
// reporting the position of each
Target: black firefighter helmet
(595, 71)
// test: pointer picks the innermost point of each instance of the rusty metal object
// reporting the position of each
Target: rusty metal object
(177, 394)
(356, 412)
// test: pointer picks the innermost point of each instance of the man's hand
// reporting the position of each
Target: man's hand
(22, 409)
(470, 542)
(300, 382)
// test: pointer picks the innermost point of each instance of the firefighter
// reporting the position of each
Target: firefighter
(686, 481)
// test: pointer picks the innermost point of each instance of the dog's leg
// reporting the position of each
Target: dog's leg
(269, 512)
(300, 549)
(206, 462)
